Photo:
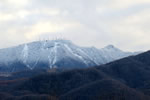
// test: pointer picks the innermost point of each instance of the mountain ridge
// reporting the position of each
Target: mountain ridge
(58, 54)
(124, 79)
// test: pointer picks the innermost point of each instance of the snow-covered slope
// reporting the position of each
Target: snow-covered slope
(56, 54)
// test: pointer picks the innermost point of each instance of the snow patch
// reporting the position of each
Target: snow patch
(78, 56)
(53, 56)
(25, 53)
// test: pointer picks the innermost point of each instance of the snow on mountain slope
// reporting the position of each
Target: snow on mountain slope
(111, 53)
(59, 54)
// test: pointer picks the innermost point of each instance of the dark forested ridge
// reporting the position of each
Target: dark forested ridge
(125, 79)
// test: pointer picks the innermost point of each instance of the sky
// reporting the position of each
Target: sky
(123, 23)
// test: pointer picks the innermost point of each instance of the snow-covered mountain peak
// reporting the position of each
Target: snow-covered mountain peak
(111, 48)
(59, 41)
(47, 44)
(58, 54)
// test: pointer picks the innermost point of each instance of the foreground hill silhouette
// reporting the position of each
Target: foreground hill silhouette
(125, 79)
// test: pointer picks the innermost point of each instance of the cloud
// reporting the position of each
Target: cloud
(50, 26)
(15, 3)
(124, 23)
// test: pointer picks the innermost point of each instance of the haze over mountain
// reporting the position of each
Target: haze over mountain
(62, 54)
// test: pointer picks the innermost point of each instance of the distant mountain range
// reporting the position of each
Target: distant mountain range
(124, 79)
(62, 54)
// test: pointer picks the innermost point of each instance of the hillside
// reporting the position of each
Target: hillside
(125, 79)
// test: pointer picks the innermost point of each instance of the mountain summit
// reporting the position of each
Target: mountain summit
(61, 54)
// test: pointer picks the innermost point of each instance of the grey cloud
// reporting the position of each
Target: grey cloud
(78, 19)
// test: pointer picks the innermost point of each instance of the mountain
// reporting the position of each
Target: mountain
(62, 54)
(124, 79)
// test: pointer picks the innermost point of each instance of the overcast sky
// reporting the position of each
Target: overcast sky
(123, 23)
